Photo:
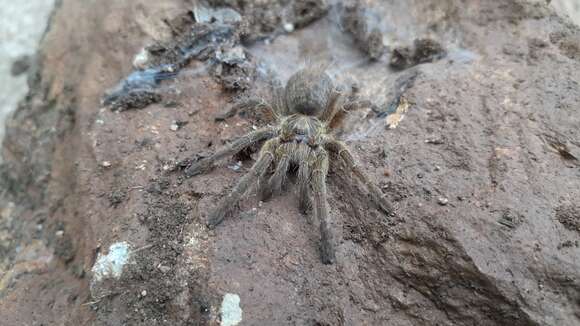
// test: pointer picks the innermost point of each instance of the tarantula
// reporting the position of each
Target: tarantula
(300, 141)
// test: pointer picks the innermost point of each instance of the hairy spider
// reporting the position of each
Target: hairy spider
(302, 111)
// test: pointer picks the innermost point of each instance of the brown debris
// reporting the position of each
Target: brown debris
(423, 50)
(356, 20)
(569, 216)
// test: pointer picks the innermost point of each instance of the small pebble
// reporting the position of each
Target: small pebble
(141, 166)
(106, 164)
(171, 104)
(59, 233)
(177, 124)
(434, 141)
(289, 27)
(143, 293)
(442, 201)
(236, 167)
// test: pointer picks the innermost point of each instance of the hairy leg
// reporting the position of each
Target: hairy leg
(345, 155)
(273, 187)
(257, 170)
(332, 108)
(252, 102)
(304, 197)
(278, 101)
(304, 200)
(206, 163)
(338, 104)
(319, 171)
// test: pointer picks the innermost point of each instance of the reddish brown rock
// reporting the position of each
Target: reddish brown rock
(86, 182)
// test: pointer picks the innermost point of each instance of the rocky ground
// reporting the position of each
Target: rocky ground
(473, 136)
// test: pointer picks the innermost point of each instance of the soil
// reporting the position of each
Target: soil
(569, 216)
(476, 151)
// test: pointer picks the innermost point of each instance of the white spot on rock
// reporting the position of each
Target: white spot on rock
(289, 27)
(141, 59)
(111, 265)
(230, 311)
(236, 167)
(442, 201)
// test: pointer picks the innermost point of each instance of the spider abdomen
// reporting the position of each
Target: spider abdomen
(307, 92)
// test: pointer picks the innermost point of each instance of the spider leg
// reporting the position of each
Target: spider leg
(304, 199)
(304, 196)
(333, 107)
(278, 101)
(336, 104)
(206, 163)
(256, 172)
(252, 102)
(274, 185)
(319, 171)
(345, 155)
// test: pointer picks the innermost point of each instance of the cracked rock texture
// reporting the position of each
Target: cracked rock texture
(478, 152)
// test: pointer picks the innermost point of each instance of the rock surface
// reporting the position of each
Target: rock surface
(491, 130)
(21, 27)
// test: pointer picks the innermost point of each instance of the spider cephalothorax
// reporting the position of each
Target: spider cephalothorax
(302, 111)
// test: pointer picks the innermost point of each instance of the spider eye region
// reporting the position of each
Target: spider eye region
(306, 109)
(301, 129)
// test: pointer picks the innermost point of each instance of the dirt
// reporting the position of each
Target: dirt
(475, 150)
(569, 216)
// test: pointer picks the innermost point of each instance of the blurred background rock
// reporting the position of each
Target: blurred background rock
(22, 24)
(568, 7)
